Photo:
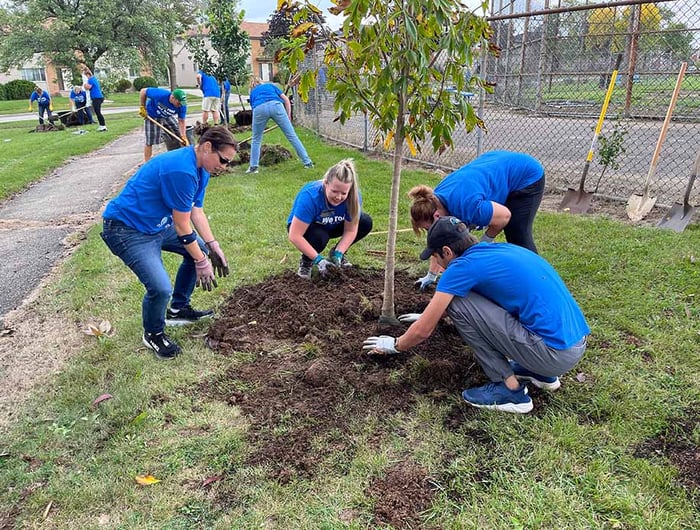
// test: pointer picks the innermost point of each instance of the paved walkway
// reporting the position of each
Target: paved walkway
(36, 225)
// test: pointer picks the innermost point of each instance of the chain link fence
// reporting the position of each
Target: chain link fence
(550, 80)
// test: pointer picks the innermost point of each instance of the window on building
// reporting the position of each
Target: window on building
(33, 74)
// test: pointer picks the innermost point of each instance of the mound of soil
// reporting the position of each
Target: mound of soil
(308, 384)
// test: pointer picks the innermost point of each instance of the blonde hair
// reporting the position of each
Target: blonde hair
(424, 204)
(255, 81)
(344, 171)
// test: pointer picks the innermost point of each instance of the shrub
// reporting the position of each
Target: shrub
(144, 82)
(122, 85)
(3, 93)
(19, 89)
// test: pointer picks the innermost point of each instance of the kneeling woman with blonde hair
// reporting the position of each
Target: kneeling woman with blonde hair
(325, 209)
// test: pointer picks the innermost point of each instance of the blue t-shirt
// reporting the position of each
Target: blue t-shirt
(522, 283)
(227, 86)
(467, 192)
(95, 91)
(158, 104)
(311, 206)
(43, 99)
(209, 86)
(167, 182)
(79, 98)
(264, 93)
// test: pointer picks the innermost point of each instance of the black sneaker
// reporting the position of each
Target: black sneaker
(305, 266)
(162, 346)
(185, 315)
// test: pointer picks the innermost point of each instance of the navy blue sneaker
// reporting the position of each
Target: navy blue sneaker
(497, 396)
(540, 381)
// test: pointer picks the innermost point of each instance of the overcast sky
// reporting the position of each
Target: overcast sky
(260, 10)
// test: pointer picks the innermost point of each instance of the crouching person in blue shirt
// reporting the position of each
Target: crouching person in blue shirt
(156, 211)
(509, 305)
(325, 209)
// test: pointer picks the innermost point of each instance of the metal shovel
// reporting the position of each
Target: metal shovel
(638, 206)
(579, 201)
(679, 215)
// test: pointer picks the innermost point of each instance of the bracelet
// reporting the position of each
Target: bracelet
(188, 238)
(317, 259)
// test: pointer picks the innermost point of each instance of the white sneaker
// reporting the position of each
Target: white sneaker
(102, 128)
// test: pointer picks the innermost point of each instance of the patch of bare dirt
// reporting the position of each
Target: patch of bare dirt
(675, 443)
(401, 495)
(308, 379)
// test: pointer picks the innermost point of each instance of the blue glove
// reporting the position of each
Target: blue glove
(337, 257)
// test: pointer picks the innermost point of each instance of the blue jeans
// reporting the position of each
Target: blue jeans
(274, 110)
(142, 254)
(44, 109)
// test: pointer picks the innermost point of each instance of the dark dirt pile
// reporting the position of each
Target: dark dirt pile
(309, 384)
(308, 388)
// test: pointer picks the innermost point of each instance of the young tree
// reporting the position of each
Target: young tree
(394, 61)
(230, 45)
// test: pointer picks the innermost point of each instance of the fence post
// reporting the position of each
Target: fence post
(542, 58)
(632, 45)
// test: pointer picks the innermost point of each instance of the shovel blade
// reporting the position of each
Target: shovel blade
(677, 217)
(576, 201)
(638, 206)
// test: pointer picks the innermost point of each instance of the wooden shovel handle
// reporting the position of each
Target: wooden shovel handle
(171, 133)
(664, 127)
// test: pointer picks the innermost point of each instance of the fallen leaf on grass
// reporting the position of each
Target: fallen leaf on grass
(140, 418)
(103, 329)
(146, 480)
(581, 377)
(47, 510)
(100, 399)
(210, 480)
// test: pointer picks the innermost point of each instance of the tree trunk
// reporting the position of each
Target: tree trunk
(388, 315)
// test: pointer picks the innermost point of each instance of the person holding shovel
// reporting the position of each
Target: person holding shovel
(78, 99)
(160, 107)
(96, 96)
(324, 209)
(161, 208)
(509, 305)
(498, 191)
(270, 103)
(43, 99)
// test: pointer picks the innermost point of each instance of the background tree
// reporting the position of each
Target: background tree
(393, 61)
(230, 45)
(174, 17)
(68, 33)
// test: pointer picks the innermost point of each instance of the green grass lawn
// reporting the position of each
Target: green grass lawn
(573, 466)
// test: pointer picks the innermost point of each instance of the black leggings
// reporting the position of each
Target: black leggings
(97, 107)
(523, 205)
(318, 236)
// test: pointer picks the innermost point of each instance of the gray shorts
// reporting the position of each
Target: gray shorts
(154, 134)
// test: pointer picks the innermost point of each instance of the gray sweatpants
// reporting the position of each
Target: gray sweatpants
(495, 336)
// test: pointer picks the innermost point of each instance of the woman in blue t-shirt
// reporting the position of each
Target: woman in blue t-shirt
(270, 103)
(324, 209)
(498, 191)
(159, 210)
(43, 100)
(92, 85)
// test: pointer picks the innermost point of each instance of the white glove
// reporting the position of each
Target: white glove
(383, 345)
(426, 281)
(324, 265)
(407, 318)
